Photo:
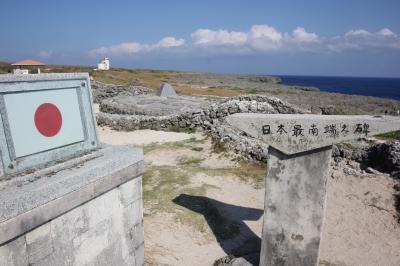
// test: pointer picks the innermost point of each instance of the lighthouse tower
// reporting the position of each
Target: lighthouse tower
(105, 64)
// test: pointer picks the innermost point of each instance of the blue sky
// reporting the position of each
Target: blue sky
(320, 37)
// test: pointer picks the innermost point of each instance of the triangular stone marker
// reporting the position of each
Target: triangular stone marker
(166, 90)
(298, 166)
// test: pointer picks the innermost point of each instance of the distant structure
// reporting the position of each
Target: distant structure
(166, 90)
(27, 66)
(104, 65)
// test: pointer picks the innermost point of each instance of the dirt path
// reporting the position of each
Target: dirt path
(200, 206)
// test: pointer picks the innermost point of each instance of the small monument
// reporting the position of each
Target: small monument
(64, 199)
(166, 90)
(298, 167)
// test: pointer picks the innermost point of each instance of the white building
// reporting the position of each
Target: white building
(104, 65)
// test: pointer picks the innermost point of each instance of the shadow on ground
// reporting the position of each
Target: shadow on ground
(227, 223)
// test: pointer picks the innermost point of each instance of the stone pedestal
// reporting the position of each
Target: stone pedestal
(84, 211)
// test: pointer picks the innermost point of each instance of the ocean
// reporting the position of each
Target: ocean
(378, 87)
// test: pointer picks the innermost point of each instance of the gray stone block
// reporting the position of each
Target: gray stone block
(139, 255)
(294, 207)
(298, 133)
(31, 200)
(130, 192)
(39, 243)
(135, 237)
(134, 207)
(14, 253)
(74, 213)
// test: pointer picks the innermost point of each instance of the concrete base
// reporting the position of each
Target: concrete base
(86, 211)
(294, 207)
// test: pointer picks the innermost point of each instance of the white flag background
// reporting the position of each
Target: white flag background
(21, 108)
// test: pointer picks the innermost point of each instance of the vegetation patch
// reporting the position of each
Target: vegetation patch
(173, 145)
(341, 112)
(218, 146)
(327, 263)
(197, 149)
(165, 189)
(252, 173)
(395, 135)
(188, 161)
(349, 146)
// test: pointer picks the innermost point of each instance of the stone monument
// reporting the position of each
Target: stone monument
(166, 90)
(298, 166)
(64, 199)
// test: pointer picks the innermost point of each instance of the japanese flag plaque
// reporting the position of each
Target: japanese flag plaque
(45, 118)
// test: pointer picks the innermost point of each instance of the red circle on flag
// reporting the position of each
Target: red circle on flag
(48, 119)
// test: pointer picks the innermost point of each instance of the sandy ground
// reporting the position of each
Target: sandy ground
(139, 137)
(360, 226)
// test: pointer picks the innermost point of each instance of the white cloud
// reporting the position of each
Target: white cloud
(219, 37)
(386, 32)
(118, 49)
(265, 32)
(301, 35)
(130, 48)
(170, 42)
(259, 39)
(359, 32)
(362, 39)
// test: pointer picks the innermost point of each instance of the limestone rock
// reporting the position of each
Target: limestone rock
(385, 157)
(103, 91)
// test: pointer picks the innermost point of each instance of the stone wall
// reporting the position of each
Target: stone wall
(247, 147)
(103, 91)
(211, 119)
(108, 230)
(206, 118)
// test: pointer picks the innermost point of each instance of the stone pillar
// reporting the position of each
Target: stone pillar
(298, 165)
(294, 207)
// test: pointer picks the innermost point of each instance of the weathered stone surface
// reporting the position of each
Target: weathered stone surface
(14, 253)
(31, 200)
(166, 90)
(300, 148)
(102, 91)
(100, 232)
(298, 133)
(153, 105)
(39, 243)
(385, 157)
(147, 112)
(294, 207)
